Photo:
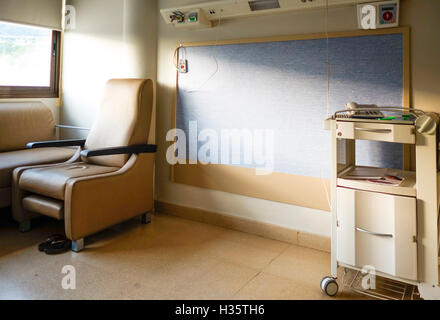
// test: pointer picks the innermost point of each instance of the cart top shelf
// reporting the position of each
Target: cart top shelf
(394, 121)
(406, 188)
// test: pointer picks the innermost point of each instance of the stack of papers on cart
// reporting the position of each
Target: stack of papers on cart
(375, 175)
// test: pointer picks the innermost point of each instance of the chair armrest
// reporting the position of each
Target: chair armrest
(136, 149)
(87, 211)
(56, 143)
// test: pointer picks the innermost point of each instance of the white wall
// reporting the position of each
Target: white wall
(420, 15)
(311, 21)
(117, 38)
(112, 39)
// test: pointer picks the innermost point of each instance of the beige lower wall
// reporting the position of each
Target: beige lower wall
(301, 191)
(258, 228)
(420, 15)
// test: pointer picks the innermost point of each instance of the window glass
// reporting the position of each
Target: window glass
(25, 55)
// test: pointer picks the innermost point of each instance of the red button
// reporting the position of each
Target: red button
(387, 16)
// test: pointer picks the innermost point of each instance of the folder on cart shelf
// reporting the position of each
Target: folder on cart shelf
(375, 175)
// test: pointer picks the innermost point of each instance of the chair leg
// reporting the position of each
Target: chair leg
(146, 218)
(78, 245)
(25, 226)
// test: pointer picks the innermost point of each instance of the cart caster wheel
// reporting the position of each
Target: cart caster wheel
(329, 286)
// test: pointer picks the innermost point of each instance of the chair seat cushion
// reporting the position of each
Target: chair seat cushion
(51, 181)
(27, 157)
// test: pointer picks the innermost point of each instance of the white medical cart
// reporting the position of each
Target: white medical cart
(394, 229)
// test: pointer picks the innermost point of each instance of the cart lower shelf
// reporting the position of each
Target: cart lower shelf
(383, 288)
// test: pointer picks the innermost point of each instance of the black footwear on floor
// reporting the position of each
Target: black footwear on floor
(58, 246)
(48, 241)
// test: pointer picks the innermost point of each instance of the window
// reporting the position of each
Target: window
(29, 61)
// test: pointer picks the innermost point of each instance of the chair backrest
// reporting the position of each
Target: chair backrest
(122, 120)
(23, 122)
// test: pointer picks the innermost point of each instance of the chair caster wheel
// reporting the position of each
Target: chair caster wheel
(25, 226)
(146, 218)
(329, 286)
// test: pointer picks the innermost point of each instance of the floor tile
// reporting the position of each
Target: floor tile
(301, 265)
(271, 287)
(170, 258)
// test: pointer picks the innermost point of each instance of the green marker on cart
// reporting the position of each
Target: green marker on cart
(388, 118)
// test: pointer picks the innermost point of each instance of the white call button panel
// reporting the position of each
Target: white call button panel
(387, 13)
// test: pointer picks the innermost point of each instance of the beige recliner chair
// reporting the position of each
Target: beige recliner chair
(112, 177)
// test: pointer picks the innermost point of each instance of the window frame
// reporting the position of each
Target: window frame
(40, 92)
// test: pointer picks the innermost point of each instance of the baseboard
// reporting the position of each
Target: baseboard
(262, 229)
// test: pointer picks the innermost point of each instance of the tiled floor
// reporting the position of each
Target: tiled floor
(171, 258)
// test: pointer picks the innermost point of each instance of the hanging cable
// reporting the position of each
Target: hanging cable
(214, 50)
(176, 55)
(327, 194)
(328, 58)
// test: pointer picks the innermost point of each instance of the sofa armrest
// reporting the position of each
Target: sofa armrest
(134, 149)
(56, 143)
